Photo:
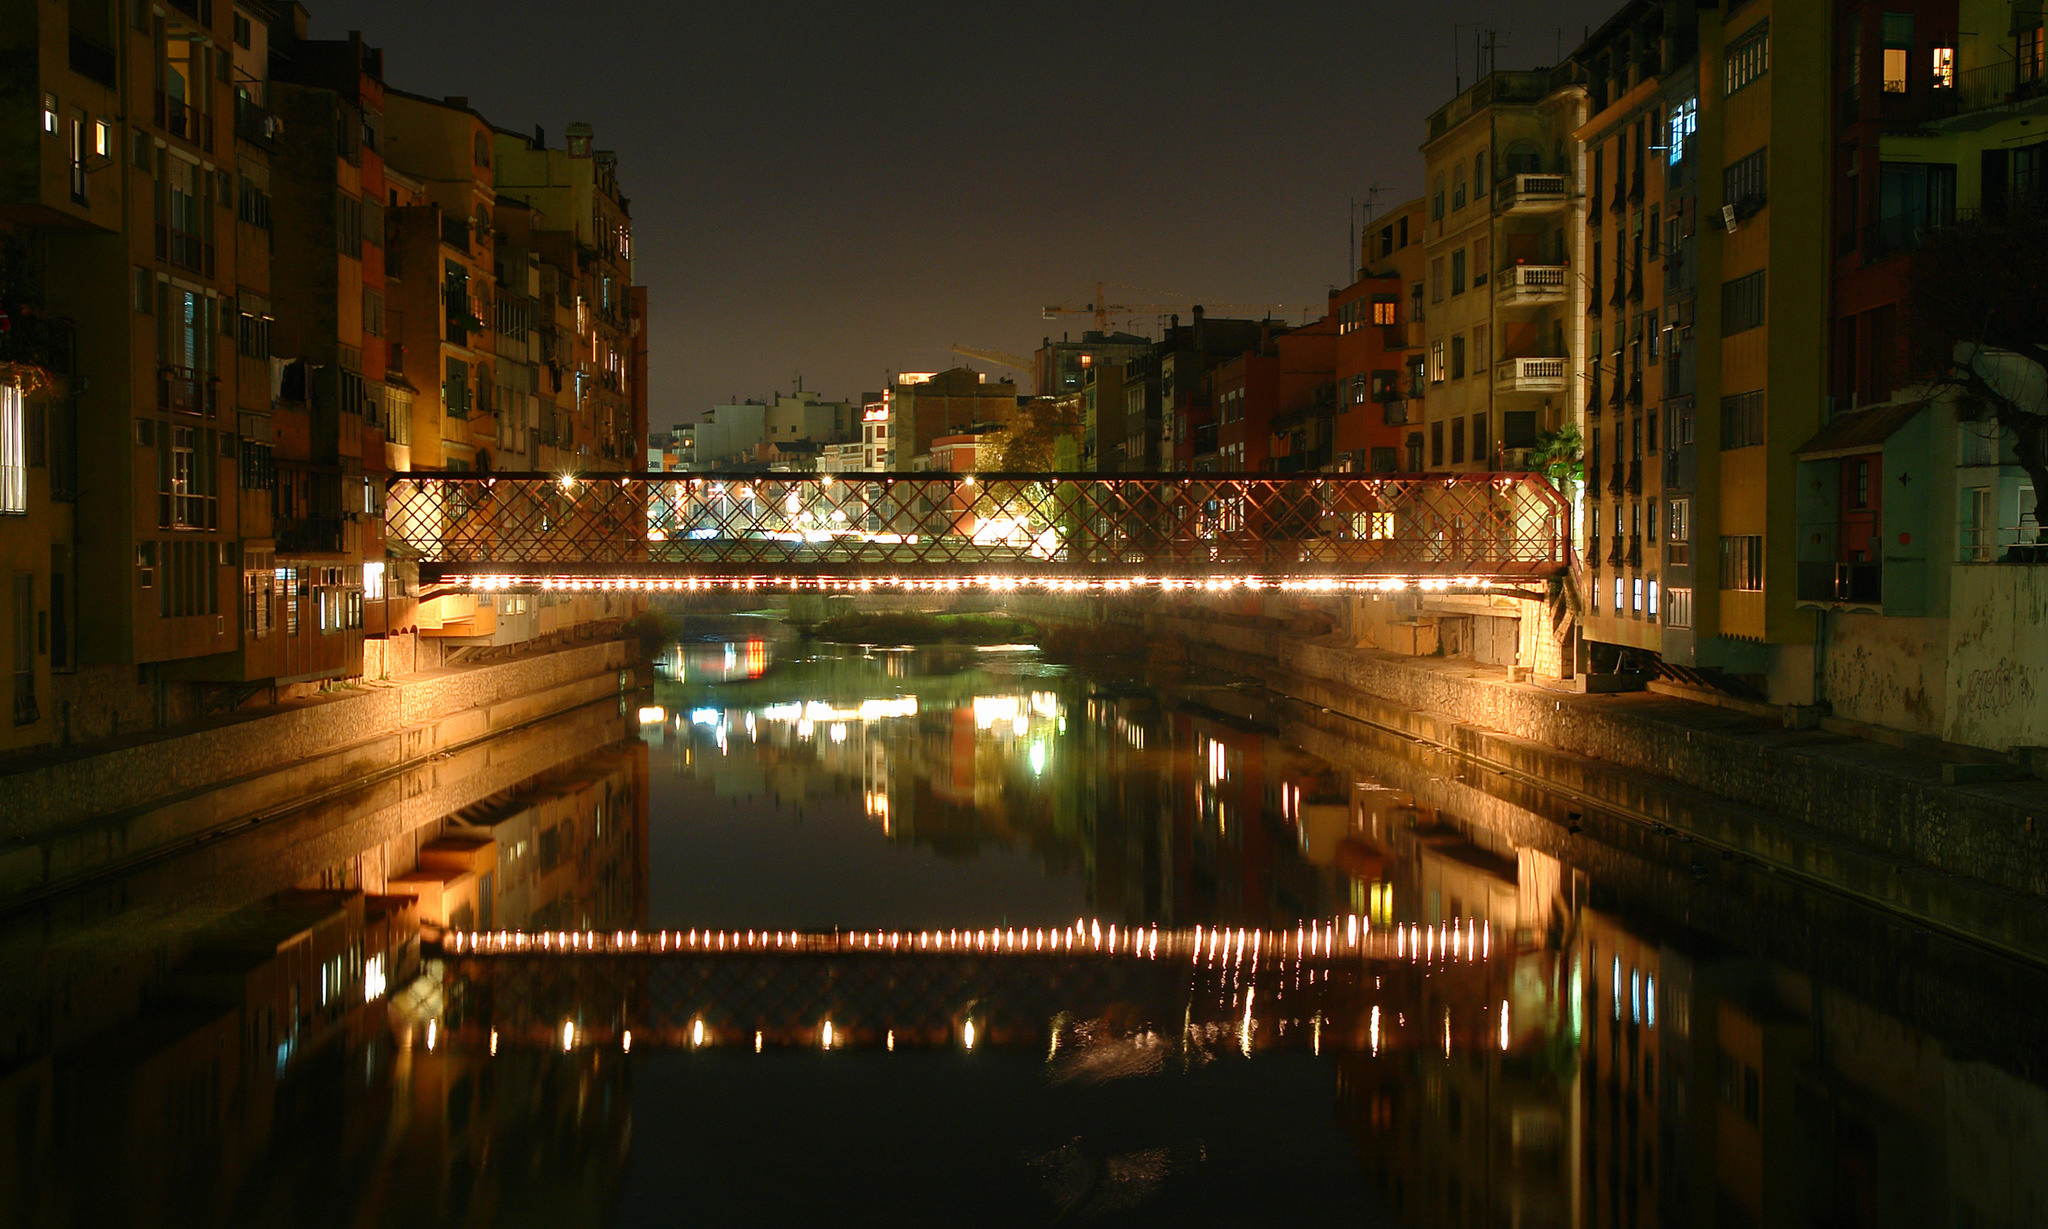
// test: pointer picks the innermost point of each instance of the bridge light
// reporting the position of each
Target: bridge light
(626, 1042)
(967, 1034)
(697, 1032)
(824, 1036)
(568, 1035)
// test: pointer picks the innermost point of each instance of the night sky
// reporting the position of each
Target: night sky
(840, 191)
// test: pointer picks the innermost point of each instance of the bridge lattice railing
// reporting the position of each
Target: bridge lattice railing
(1492, 526)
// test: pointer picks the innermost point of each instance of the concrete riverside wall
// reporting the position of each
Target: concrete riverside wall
(1995, 839)
(62, 820)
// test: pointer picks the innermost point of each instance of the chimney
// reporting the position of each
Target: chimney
(540, 138)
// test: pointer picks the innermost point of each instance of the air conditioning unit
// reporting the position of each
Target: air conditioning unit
(1728, 218)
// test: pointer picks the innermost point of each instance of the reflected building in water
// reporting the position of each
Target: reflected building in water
(249, 1051)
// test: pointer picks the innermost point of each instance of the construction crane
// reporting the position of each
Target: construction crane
(1102, 309)
(1001, 358)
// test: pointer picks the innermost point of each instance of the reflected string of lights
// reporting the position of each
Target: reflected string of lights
(1231, 989)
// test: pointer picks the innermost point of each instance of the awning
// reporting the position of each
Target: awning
(1859, 432)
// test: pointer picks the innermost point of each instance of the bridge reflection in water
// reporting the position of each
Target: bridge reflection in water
(895, 531)
(1085, 986)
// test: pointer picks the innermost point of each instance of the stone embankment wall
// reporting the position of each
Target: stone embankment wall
(63, 820)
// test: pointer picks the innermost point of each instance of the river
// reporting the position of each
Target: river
(961, 936)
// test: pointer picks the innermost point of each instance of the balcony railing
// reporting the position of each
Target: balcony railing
(1533, 193)
(255, 124)
(181, 390)
(1532, 285)
(186, 251)
(1996, 85)
(181, 119)
(1530, 375)
(1859, 584)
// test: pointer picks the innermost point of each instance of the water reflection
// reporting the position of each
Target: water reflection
(220, 1038)
(951, 934)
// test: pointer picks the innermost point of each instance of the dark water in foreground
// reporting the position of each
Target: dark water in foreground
(1516, 1024)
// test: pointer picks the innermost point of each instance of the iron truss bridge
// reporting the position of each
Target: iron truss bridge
(1237, 989)
(991, 531)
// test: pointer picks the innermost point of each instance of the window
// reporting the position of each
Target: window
(252, 326)
(482, 151)
(1898, 50)
(1748, 59)
(1481, 446)
(1742, 303)
(1650, 516)
(1457, 441)
(1436, 362)
(1479, 340)
(373, 312)
(78, 152)
(1678, 607)
(1742, 563)
(1653, 338)
(1458, 271)
(1458, 191)
(1743, 184)
(1458, 357)
(348, 233)
(455, 389)
(1436, 280)
(252, 199)
(1635, 596)
(1653, 616)
(1480, 262)
(1678, 533)
(1384, 309)
(51, 124)
(2028, 43)
(13, 451)
(1436, 444)
(1944, 77)
(1742, 420)
(1620, 587)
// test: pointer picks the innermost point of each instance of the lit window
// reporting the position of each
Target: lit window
(13, 451)
(50, 115)
(1636, 597)
(102, 139)
(1944, 68)
(1653, 598)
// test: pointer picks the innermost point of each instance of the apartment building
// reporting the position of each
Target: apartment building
(1379, 340)
(919, 408)
(1916, 518)
(1640, 154)
(1501, 318)
(587, 232)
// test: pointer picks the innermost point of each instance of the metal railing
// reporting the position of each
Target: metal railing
(904, 530)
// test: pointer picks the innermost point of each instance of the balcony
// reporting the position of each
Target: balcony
(181, 390)
(1532, 285)
(185, 250)
(1533, 193)
(1988, 95)
(180, 119)
(1394, 412)
(1841, 584)
(1530, 375)
(255, 124)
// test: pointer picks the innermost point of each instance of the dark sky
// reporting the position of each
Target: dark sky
(840, 191)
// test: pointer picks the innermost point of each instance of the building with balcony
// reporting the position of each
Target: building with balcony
(586, 231)
(1377, 335)
(1640, 156)
(1500, 309)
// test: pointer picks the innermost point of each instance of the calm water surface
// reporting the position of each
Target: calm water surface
(1394, 992)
